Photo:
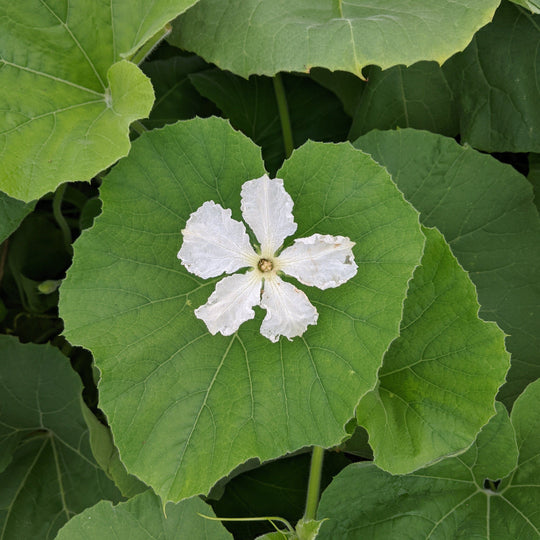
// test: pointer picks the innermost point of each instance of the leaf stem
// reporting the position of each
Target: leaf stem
(284, 116)
(145, 49)
(138, 127)
(57, 213)
(314, 483)
(271, 519)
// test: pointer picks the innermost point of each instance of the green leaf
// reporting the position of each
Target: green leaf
(108, 457)
(12, 212)
(176, 97)
(532, 5)
(534, 177)
(40, 400)
(346, 86)
(438, 381)
(417, 96)
(186, 407)
(144, 518)
(68, 91)
(495, 82)
(485, 211)
(256, 37)
(251, 107)
(449, 499)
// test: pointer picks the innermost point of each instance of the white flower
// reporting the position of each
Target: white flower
(215, 243)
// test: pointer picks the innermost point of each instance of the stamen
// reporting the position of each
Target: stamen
(265, 265)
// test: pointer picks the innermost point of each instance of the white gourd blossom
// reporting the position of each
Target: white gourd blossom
(214, 243)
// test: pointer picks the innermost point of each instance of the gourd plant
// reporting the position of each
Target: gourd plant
(258, 251)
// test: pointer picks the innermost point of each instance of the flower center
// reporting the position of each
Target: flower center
(265, 265)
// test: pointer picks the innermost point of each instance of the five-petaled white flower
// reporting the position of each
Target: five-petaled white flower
(215, 243)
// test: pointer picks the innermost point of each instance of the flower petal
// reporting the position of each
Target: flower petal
(231, 303)
(267, 209)
(320, 260)
(215, 243)
(289, 312)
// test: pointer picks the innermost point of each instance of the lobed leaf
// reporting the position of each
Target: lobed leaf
(186, 407)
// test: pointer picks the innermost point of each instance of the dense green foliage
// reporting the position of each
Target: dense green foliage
(409, 127)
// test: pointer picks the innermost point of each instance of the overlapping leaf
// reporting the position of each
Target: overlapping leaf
(251, 107)
(144, 518)
(439, 379)
(254, 36)
(456, 498)
(48, 471)
(496, 83)
(418, 96)
(186, 407)
(486, 213)
(67, 95)
(12, 212)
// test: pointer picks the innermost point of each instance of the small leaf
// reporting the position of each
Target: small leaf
(144, 518)
(255, 37)
(47, 439)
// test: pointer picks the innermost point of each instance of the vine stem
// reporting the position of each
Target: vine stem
(284, 116)
(57, 213)
(138, 127)
(151, 44)
(314, 483)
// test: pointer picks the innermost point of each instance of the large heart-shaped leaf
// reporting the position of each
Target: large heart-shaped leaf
(186, 407)
(459, 497)
(486, 213)
(255, 36)
(439, 379)
(68, 94)
(144, 518)
(46, 455)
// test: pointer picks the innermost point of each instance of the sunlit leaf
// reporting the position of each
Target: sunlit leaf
(186, 407)
(68, 94)
(254, 36)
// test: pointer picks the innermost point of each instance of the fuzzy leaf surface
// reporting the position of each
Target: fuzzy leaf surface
(257, 37)
(186, 407)
(486, 213)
